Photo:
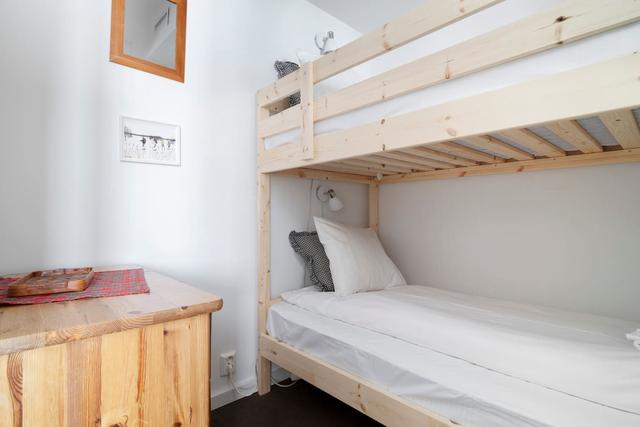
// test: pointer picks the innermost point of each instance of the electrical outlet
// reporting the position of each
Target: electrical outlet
(226, 359)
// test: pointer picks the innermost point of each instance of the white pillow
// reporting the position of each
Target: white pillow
(357, 259)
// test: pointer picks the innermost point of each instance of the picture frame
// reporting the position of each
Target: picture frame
(146, 141)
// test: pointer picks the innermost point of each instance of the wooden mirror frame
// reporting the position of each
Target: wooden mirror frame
(118, 56)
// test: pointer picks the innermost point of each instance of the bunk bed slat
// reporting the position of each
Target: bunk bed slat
(421, 161)
(535, 143)
(574, 134)
(370, 165)
(460, 150)
(428, 153)
(502, 148)
(623, 126)
(397, 163)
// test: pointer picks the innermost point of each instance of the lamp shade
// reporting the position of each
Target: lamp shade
(330, 45)
(335, 204)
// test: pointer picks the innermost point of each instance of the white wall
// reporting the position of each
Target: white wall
(367, 15)
(67, 200)
(565, 238)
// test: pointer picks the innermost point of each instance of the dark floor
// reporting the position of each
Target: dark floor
(296, 406)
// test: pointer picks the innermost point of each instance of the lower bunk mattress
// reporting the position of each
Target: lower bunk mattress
(476, 361)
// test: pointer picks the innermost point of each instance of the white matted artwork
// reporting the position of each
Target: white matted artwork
(145, 141)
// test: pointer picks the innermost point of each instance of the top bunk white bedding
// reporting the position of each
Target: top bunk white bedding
(517, 360)
(598, 48)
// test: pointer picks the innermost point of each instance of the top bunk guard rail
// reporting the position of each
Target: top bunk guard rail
(343, 151)
(426, 19)
(422, 21)
(601, 88)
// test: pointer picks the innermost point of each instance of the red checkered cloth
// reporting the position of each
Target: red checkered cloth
(104, 284)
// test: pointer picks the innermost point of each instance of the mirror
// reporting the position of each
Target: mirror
(150, 35)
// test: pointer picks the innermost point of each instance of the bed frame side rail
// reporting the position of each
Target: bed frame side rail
(371, 400)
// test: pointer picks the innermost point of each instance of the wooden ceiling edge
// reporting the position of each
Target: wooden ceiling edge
(325, 175)
(578, 160)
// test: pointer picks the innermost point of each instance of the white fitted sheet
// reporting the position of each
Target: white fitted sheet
(464, 391)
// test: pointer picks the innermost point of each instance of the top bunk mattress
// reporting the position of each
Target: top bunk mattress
(575, 360)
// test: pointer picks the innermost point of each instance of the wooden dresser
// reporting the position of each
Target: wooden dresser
(137, 360)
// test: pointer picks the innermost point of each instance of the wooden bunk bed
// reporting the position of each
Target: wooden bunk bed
(489, 133)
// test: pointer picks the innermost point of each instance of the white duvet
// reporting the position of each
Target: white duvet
(584, 356)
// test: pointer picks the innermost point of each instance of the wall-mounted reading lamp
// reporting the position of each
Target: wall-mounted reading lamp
(326, 194)
(326, 42)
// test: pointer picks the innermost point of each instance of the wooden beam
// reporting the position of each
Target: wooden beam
(584, 92)
(280, 122)
(279, 89)
(417, 160)
(261, 114)
(370, 399)
(574, 134)
(460, 150)
(428, 153)
(574, 20)
(327, 175)
(430, 17)
(396, 163)
(578, 160)
(496, 146)
(342, 167)
(306, 104)
(379, 166)
(623, 126)
(374, 196)
(264, 274)
(534, 142)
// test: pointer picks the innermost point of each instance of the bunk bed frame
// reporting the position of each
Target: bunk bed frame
(425, 144)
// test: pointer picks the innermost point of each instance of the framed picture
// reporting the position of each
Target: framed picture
(144, 141)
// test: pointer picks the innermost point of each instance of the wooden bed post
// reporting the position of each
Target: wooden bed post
(306, 104)
(264, 275)
(264, 261)
(374, 191)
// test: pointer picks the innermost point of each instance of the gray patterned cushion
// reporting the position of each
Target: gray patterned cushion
(308, 246)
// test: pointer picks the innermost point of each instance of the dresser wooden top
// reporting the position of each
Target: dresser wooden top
(32, 326)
